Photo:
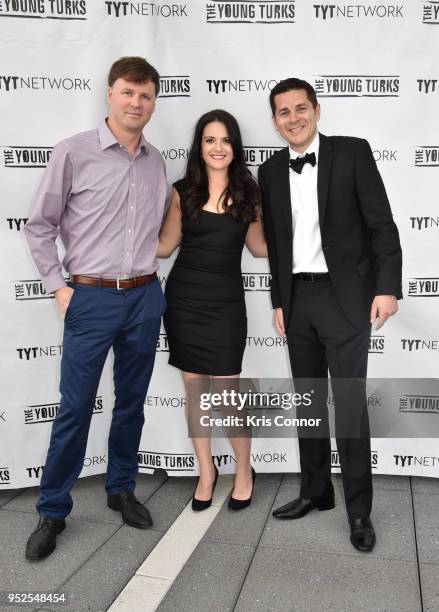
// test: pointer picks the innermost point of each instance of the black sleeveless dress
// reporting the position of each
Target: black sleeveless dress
(206, 321)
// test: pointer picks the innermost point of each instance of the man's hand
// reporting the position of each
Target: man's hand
(383, 307)
(63, 297)
(279, 321)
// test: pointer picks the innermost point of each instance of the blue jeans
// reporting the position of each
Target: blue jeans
(97, 319)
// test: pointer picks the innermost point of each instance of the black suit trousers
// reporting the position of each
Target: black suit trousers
(320, 337)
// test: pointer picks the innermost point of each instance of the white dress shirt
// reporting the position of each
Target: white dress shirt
(307, 243)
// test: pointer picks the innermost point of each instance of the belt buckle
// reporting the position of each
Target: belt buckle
(119, 278)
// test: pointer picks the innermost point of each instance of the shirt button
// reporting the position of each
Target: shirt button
(131, 207)
(128, 254)
(132, 185)
(129, 231)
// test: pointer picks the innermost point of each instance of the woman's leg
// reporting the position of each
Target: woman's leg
(240, 439)
(195, 384)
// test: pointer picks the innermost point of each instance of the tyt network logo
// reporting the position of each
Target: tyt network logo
(427, 404)
(10, 83)
(422, 223)
(430, 12)
(254, 281)
(282, 11)
(255, 156)
(44, 9)
(174, 154)
(160, 401)
(357, 86)
(356, 11)
(412, 460)
(427, 156)
(175, 87)
(17, 223)
(385, 155)
(266, 341)
(35, 352)
(219, 86)
(145, 9)
(418, 344)
(428, 85)
(26, 157)
(424, 287)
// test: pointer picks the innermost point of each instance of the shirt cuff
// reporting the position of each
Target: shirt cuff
(54, 282)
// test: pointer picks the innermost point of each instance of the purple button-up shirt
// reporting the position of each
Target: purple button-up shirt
(106, 206)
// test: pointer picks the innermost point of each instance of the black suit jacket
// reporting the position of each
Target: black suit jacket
(359, 237)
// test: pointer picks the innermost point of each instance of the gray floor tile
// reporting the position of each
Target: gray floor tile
(75, 545)
(25, 502)
(210, 580)
(328, 531)
(382, 482)
(425, 485)
(430, 586)
(170, 500)
(296, 581)
(245, 527)
(6, 496)
(90, 498)
(427, 526)
(101, 578)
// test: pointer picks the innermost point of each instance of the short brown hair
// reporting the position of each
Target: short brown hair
(134, 69)
(289, 85)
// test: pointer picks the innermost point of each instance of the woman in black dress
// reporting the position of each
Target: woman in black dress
(214, 211)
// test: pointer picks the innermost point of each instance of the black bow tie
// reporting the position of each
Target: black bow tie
(298, 163)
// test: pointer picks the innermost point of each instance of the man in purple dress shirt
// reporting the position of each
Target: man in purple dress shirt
(104, 193)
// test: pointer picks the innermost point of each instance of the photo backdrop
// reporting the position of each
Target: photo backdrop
(374, 66)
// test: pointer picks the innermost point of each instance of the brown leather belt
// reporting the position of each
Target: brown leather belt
(114, 283)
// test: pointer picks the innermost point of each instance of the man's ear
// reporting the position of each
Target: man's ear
(317, 111)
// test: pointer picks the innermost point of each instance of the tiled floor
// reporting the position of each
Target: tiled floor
(246, 561)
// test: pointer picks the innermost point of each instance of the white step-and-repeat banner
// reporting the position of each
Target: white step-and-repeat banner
(374, 66)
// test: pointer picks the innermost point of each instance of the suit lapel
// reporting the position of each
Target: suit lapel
(283, 188)
(324, 172)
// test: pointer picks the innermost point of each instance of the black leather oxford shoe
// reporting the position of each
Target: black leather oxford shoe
(42, 541)
(299, 507)
(362, 534)
(133, 512)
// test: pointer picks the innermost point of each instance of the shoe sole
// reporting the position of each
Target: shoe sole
(129, 523)
(38, 557)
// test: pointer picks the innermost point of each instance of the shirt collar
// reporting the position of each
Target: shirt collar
(313, 148)
(108, 139)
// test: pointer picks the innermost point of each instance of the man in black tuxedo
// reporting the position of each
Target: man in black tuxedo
(335, 261)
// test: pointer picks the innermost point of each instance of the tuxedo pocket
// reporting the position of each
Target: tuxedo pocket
(364, 267)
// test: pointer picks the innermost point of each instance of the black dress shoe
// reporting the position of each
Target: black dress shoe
(299, 507)
(362, 534)
(42, 541)
(201, 504)
(133, 512)
(240, 504)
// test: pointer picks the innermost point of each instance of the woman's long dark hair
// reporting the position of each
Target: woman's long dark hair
(242, 189)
